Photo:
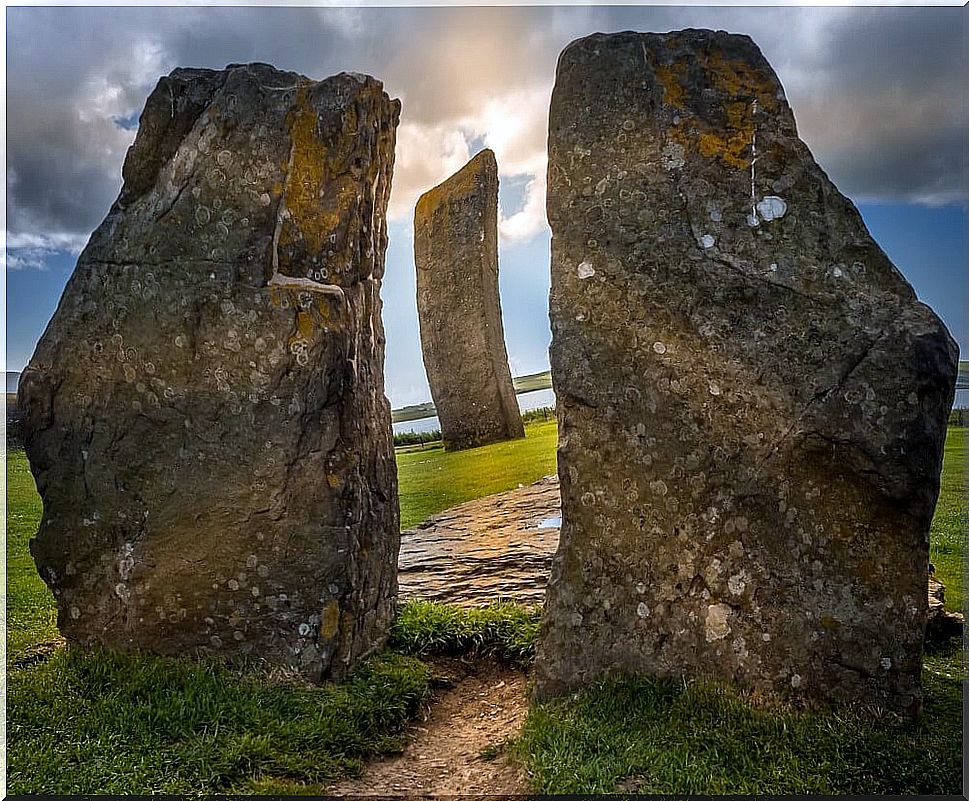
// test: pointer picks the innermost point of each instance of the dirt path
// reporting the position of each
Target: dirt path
(458, 749)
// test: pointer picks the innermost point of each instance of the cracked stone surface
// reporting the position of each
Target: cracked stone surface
(459, 308)
(499, 546)
(205, 413)
(752, 401)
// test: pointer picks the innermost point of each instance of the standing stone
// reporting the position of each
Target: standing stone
(752, 402)
(463, 340)
(205, 414)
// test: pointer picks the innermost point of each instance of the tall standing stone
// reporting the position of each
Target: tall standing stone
(462, 336)
(205, 413)
(752, 402)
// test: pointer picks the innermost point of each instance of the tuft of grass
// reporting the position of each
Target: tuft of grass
(503, 629)
(31, 614)
(92, 721)
(951, 519)
(432, 480)
(673, 737)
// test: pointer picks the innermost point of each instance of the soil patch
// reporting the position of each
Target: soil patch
(459, 747)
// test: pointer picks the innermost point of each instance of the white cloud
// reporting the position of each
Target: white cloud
(426, 155)
(530, 220)
(65, 242)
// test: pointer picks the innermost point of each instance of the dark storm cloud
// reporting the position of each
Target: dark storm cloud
(878, 94)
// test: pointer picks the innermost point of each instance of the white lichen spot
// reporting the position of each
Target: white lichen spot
(233, 584)
(737, 583)
(715, 215)
(714, 388)
(640, 588)
(585, 270)
(753, 220)
(262, 571)
(716, 622)
(252, 560)
(304, 629)
(659, 348)
(707, 241)
(771, 208)
(642, 610)
(659, 487)
(75, 613)
(673, 156)
(796, 681)
(765, 637)
(836, 272)
(886, 663)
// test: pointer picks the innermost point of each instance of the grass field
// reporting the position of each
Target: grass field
(432, 480)
(85, 722)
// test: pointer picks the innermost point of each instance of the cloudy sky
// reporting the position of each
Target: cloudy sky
(879, 95)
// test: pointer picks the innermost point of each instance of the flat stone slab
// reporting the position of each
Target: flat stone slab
(500, 546)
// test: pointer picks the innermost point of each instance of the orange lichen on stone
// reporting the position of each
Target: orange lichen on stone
(669, 77)
(736, 83)
(735, 79)
(307, 173)
(330, 621)
(830, 623)
(304, 325)
(734, 145)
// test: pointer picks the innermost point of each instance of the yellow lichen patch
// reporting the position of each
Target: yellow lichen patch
(733, 144)
(830, 623)
(463, 182)
(330, 620)
(334, 480)
(304, 325)
(307, 171)
(669, 77)
(735, 78)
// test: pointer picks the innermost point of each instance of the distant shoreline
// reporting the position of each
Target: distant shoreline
(523, 384)
(526, 383)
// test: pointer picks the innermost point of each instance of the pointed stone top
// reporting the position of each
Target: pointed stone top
(480, 172)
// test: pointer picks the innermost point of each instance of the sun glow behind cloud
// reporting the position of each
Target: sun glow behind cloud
(879, 96)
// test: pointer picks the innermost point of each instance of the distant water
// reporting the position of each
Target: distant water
(526, 402)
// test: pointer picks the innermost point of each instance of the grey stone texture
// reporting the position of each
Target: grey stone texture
(752, 401)
(205, 413)
(459, 309)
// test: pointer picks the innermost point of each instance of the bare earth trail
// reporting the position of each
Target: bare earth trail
(458, 749)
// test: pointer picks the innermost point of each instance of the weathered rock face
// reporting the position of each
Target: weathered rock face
(205, 414)
(462, 336)
(752, 402)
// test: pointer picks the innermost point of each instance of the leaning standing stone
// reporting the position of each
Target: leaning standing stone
(462, 336)
(752, 401)
(205, 414)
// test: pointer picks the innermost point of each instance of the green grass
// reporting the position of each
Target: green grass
(951, 519)
(90, 721)
(504, 630)
(31, 615)
(701, 738)
(671, 737)
(432, 480)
